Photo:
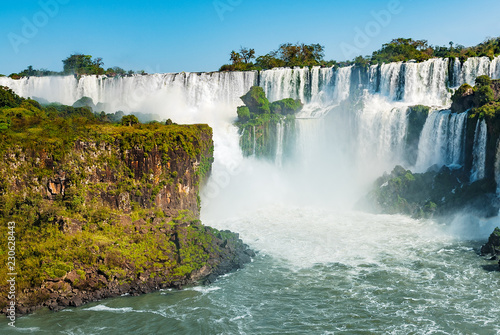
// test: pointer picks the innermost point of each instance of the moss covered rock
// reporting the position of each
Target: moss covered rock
(267, 129)
(104, 209)
(493, 245)
(417, 115)
(437, 192)
(256, 100)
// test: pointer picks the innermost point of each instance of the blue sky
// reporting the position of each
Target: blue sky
(175, 36)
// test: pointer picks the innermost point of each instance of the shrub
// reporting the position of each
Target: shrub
(129, 120)
(286, 106)
(256, 100)
(483, 81)
(243, 113)
(462, 91)
(483, 95)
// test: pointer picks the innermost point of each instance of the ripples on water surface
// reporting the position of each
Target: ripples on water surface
(317, 272)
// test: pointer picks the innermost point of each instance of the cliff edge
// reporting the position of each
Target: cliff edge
(98, 210)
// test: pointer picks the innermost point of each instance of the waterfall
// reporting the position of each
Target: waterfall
(442, 140)
(495, 68)
(254, 140)
(479, 152)
(426, 81)
(389, 79)
(475, 67)
(177, 94)
(284, 83)
(342, 84)
(280, 133)
(381, 131)
(497, 169)
(410, 82)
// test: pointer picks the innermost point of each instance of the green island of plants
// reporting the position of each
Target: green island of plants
(258, 120)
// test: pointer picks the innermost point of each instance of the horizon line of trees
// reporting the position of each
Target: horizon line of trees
(77, 64)
(290, 55)
(399, 49)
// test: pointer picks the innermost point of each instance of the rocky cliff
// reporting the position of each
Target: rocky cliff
(102, 209)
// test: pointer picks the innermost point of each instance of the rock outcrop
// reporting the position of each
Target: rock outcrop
(437, 192)
(102, 210)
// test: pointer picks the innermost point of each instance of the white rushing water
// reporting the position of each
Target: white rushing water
(479, 151)
(442, 140)
(280, 134)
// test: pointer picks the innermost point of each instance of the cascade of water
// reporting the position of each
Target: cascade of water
(342, 84)
(473, 68)
(497, 169)
(315, 82)
(457, 73)
(411, 82)
(389, 79)
(441, 141)
(174, 93)
(373, 78)
(284, 83)
(426, 82)
(280, 133)
(381, 131)
(479, 152)
(495, 68)
(254, 140)
(378, 122)
(455, 149)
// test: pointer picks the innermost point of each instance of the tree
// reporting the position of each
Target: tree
(82, 64)
(301, 54)
(129, 120)
(247, 54)
(235, 57)
(483, 95)
(403, 49)
(361, 61)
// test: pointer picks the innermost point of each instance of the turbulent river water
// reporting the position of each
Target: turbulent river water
(317, 272)
(321, 266)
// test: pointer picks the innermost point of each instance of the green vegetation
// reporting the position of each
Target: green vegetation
(77, 64)
(423, 195)
(397, 50)
(256, 101)
(82, 64)
(402, 49)
(462, 91)
(258, 120)
(483, 99)
(129, 120)
(287, 55)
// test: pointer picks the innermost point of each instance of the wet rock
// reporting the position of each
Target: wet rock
(492, 247)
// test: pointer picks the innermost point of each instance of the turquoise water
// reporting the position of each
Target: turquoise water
(366, 274)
